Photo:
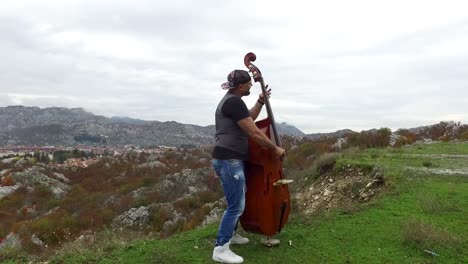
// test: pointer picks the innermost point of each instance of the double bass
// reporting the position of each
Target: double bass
(267, 203)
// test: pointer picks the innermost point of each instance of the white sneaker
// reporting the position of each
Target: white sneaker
(225, 255)
(237, 239)
(269, 242)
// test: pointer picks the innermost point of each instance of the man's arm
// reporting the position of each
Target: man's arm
(255, 110)
(247, 124)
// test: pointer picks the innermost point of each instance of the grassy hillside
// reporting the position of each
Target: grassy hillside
(422, 217)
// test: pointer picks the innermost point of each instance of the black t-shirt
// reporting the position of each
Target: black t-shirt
(235, 109)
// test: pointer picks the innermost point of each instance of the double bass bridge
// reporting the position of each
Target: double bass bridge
(282, 182)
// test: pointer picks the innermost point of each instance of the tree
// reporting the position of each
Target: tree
(76, 153)
(60, 156)
(44, 158)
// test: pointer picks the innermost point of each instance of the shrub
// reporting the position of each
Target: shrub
(123, 203)
(438, 130)
(401, 142)
(8, 181)
(141, 201)
(128, 188)
(211, 181)
(187, 205)
(176, 227)
(428, 164)
(444, 138)
(303, 156)
(75, 199)
(374, 154)
(16, 253)
(15, 200)
(422, 235)
(325, 162)
(52, 229)
(369, 139)
(464, 136)
(208, 196)
(7, 219)
(432, 204)
(159, 217)
(410, 136)
(196, 218)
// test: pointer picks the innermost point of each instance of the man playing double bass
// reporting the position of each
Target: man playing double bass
(234, 125)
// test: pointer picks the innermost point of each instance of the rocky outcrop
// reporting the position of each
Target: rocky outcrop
(10, 241)
(352, 186)
(134, 218)
(340, 142)
(216, 212)
(61, 177)
(6, 190)
(394, 138)
(152, 164)
(37, 241)
(34, 175)
(445, 130)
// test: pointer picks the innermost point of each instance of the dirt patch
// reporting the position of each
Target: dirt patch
(439, 171)
(435, 156)
(350, 187)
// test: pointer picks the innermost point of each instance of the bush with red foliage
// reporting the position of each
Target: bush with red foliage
(464, 136)
(303, 155)
(8, 181)
(370, 139)
(410, 136)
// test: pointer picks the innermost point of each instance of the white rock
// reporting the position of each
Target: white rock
(61, 177)
(12, 240)
(6, 190)
(186, 172)
(37, 240)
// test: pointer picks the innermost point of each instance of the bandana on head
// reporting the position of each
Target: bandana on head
(236, 78)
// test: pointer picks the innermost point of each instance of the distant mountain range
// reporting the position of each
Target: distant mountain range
(20, 125)
(59, 126)
(336, 134)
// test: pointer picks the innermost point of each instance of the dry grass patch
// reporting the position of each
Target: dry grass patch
(432, 204)
(425, 236)
(92, 246)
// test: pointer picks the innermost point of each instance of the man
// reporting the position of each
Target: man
(234, 124)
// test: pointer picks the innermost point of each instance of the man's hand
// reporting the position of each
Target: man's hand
(261, 98)
(280, 152)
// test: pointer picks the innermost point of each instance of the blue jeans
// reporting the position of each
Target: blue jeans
(232, 177)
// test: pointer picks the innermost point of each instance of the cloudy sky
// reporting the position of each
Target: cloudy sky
(331, 64)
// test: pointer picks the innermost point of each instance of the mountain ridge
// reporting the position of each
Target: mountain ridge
(21, 125)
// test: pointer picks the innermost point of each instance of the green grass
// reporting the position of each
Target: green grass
(439, 148)
(452, 156)
(420, 212)
(373, 235)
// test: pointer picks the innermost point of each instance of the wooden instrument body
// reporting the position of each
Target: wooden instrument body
(267, 206)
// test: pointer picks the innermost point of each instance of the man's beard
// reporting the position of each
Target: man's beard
(246, 93)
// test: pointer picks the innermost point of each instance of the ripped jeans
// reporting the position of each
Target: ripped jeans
(232, 177)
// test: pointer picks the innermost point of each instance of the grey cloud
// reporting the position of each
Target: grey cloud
(399, 82)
